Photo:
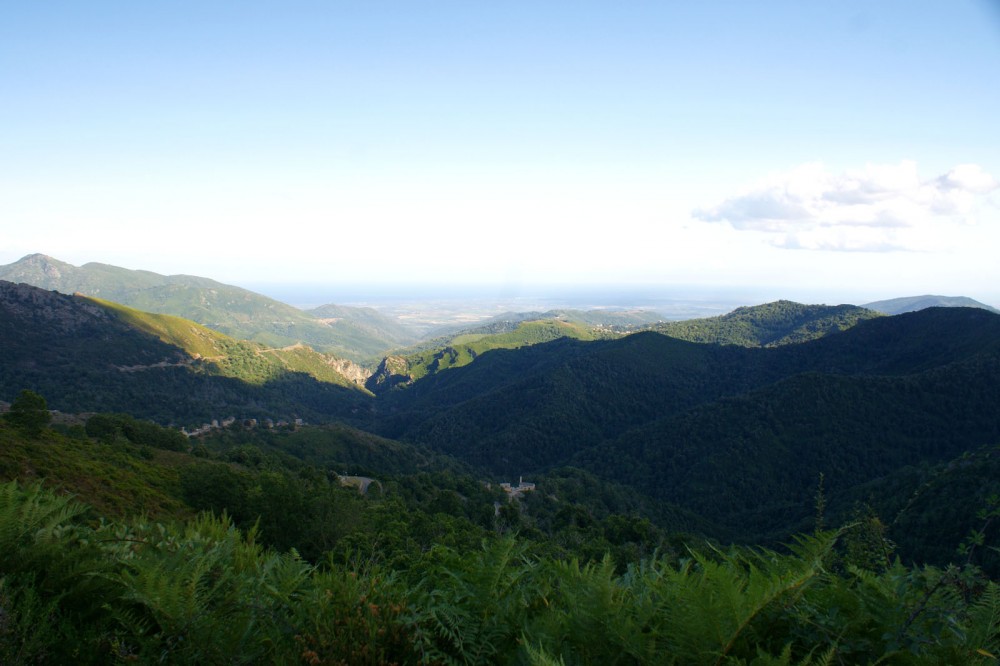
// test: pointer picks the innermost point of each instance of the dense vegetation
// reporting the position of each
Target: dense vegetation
(433, 566)
(736, 436)
(768, 325)
(461, 350)
(275, 542)
(89, 355)
(206, 592)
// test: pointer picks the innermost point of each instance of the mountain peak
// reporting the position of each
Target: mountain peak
(39, 259)
(38, 269)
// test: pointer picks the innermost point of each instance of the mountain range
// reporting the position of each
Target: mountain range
(357, 334)
(767, 325)
(364, 335)
(90, 355)
(739, 436)
(730, 431)
(913, 303)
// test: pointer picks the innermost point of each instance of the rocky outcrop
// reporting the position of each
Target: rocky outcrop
(391, 372)
(350, 369)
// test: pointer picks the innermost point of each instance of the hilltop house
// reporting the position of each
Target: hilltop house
(519, 489)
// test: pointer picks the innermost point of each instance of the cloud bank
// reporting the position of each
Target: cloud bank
(876, 209)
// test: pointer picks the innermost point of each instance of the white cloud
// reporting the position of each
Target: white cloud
(968, 177)
(878, 208)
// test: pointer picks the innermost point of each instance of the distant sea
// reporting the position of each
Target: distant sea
(670, 301)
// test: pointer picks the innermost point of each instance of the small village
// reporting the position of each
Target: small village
(216, 424)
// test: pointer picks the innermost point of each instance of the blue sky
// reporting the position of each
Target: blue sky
(845, 149)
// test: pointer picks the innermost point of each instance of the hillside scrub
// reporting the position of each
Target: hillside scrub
(203, 591)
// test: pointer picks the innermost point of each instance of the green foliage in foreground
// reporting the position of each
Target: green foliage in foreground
(206, 592)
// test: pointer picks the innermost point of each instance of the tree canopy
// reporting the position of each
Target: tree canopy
(29, 412)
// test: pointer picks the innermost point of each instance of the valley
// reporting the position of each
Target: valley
(869, 439)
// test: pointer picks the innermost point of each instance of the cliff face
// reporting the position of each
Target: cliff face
(391, 372)
(351, 370)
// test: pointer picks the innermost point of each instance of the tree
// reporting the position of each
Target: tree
(29, 412)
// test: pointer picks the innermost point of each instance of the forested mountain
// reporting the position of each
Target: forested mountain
(90, 355)
(648, 457)
(728, 437)
(405, 367)
(767, 325)
(364, 329)
(895, 306)
(597, 319)
(353, 333)
(929, 508)
(737, 435)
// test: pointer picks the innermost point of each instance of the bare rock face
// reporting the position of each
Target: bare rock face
(391, 372)
(350, 369)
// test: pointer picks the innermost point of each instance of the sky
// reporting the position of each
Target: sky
(833, 150)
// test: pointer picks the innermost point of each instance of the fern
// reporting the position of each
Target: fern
(50, 575)
(351, 617)
(206, 593)
(539, 657)
(982, 636)
(717, 609)
(469, 610)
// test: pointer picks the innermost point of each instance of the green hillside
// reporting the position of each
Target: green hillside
(89, 355)
(894, 306)
(736, 435)
(362, 328)
(767, 325)
(194, 339)
(599, 319)
(231, 310)
(238, 359)
(751, 463)
(928, 509)
(322, 574)
(117, 480)
(730, 439)
(464, 348)
(648, 456)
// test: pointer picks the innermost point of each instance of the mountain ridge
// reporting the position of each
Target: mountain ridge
(768, 324)
(85, 354)
(904, 304)
(735, 435)
(671, 414)
(232, 310)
